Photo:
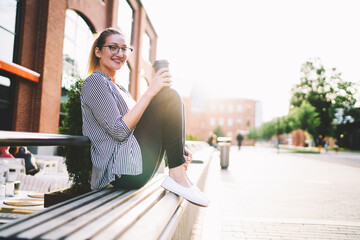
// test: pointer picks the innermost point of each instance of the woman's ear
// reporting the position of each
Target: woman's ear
(97, 52)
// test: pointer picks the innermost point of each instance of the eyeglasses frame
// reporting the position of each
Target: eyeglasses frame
(118, 49)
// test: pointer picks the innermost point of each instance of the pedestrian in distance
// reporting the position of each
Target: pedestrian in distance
(239, 138)
(212, 141)
(129, 138)
(319, 142)
(336, 145)
(326, 144)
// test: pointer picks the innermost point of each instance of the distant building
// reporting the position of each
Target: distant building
(232, 115)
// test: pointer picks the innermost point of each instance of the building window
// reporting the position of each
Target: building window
(146, 47)
(221, 122)
(212, 121)
(123, 76)
(221, 107)
(212, 107)
(78, 39)
(126, 19)
(5, 103)
(7, 29)
(239, 120)
(239, 108)
(231, 108)
(230, 122)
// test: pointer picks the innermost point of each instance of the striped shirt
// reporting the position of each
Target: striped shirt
(114, 148)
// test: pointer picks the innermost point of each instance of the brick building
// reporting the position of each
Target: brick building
(232, 115)
(44, 44)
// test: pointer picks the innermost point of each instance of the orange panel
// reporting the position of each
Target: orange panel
(20, 71)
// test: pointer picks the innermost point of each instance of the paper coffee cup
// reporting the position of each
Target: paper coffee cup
(158, 64)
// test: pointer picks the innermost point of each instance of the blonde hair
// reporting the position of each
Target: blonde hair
(99, 43)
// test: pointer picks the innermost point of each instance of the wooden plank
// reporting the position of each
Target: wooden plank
(122, 212)
(20, 71)
(125, 222)
(28, 222)
(170, 228)
(146, 227)
(85, 225)
(68, 216)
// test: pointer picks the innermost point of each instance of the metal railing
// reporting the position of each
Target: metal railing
(11, 138)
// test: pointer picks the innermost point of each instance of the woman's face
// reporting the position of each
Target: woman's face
(111, 56)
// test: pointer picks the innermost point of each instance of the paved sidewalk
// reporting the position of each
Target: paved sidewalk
(265, 195)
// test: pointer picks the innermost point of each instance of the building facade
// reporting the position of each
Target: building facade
(44, 49)
(232, 115)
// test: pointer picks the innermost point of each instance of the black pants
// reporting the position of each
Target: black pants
(161, 128)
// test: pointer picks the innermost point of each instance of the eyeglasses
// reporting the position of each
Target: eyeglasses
(115, 49)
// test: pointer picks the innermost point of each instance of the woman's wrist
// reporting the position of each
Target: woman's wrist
(149, 93)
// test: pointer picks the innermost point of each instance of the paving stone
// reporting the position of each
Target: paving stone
(265, 195)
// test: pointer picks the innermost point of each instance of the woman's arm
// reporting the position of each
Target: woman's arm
(96, 96)
(161, 79)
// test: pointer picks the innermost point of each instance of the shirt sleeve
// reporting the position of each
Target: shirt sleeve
(96, 94)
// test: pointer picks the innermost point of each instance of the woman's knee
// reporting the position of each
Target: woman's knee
(170, 95)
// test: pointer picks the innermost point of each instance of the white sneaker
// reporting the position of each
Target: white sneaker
(192, 194)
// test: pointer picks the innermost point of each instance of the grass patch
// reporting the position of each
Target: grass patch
(301, 150)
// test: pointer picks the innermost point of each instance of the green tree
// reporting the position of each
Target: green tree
(265, 131)
(304, 117)
(219, 132)
(77, 158)
(324, 90)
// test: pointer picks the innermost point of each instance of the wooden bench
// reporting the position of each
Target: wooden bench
(147, 213)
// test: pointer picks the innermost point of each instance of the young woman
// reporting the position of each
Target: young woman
(128, 138)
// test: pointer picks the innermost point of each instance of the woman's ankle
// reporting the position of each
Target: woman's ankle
(178, 174)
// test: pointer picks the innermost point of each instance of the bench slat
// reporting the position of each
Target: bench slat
(174, 221)
(23, 224)
(108, 218)
(127, 221)
(88, 225)
(162, 212)
(69, 216)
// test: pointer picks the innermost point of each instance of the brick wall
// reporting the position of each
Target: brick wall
(41, 34)
(199, 120)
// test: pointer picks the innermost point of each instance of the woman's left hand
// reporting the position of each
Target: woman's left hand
(188, 157)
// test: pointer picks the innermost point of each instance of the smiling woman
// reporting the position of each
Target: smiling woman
(128, 138)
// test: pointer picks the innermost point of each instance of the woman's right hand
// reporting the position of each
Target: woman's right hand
(162, 78)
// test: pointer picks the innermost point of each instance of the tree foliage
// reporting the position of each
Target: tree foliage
(325, 90)
(303, 117)
(315, 100)
(219, 132)
(77, 158)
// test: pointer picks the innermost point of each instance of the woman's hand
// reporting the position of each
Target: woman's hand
(188, 157)
(161, 78)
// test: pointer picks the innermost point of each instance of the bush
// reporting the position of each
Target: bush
(77, 158)
(192, 137)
